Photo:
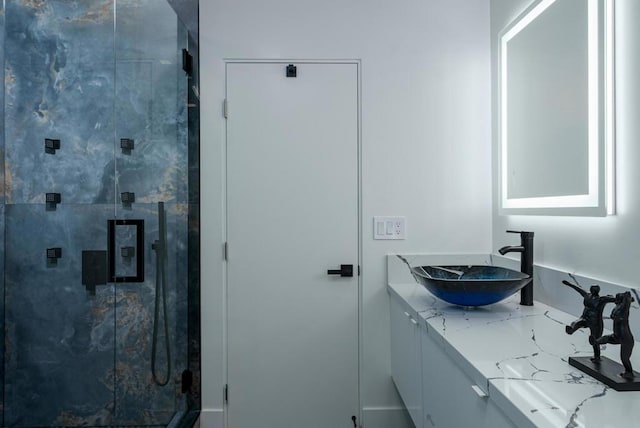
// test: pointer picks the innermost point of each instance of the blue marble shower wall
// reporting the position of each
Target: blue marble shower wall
(91, 74)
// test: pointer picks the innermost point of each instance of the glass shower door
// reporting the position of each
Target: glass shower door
(95, 214)
(151, 173)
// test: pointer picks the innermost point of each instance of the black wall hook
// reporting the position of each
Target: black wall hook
(292, 70)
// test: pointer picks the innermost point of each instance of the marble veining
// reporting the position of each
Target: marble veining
(61, 86)
(59, 343)
(520, 355)
(63, 82)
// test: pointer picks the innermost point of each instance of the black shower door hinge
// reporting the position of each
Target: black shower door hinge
(187, 381)
(226, 393)
(187, 62)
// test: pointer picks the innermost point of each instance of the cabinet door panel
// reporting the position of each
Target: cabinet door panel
(449, 399)
(399, 342)
(414, 375)
(406, 360)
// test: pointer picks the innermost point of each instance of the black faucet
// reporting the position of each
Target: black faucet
(526, 263)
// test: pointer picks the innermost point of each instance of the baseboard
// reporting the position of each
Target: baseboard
(373, 417)
(212, 418)
(386, 417)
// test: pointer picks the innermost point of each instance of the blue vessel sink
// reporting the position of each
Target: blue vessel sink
(470, 285)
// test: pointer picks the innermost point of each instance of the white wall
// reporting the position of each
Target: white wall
(426, 142)
(605, 248)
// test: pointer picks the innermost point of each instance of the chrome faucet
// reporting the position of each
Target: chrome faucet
(526, 263)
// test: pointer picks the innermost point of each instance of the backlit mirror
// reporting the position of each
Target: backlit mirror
(556, 109)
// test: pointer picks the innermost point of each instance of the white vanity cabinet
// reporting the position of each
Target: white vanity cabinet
(406, 364)
(515, 353)
(435, 390)
(451, 397)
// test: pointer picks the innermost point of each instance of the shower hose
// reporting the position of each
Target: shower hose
(160, 247)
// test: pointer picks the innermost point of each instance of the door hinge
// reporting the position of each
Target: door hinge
(358, 270)
(226, 393)
(225, 108)
(226, 251)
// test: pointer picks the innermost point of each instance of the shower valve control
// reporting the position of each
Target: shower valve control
(51, 145)
(127, 144)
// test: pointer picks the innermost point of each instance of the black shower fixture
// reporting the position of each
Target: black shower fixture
(52, 200)
(51, 145)
(53, 254)
(127, 144)
(127, 198)
(127, 252)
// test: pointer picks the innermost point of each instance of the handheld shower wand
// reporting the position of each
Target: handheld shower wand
(160, 248)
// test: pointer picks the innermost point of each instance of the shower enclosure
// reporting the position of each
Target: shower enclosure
(99, 215)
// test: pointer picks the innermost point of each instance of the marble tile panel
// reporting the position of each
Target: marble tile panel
(151, 110)
(62, 343)
(145, 29)
(59, 340)
(139, 401)
(59, 84)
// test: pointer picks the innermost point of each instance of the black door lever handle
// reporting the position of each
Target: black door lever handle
(344, 271)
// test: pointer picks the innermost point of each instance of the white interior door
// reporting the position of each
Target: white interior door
(292, 200)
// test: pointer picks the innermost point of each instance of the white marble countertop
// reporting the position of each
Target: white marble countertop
(519, 355)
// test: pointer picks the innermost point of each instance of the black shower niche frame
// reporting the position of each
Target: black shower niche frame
(111, 250)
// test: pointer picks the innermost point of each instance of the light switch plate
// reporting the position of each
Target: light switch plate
(389, 227)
